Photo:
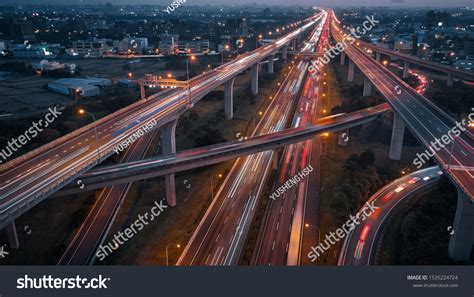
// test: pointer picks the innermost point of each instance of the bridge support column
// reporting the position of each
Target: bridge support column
(367, 87)
(12, 236)
(229, 98)
(285, 52)
(461, 241)
(168, 142)
(343, 59)
(406, 67)
(350, 74)
(293, 44)
(396, 144)
(275, 160)
(271, 63)
(343, 137)
(255, 78)
(378, 56)
(450, 80)
(142, 91)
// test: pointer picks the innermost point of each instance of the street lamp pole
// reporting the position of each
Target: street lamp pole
(82, 111)
(176, 244)
(187, 77)
(319, 232)
(212, 186)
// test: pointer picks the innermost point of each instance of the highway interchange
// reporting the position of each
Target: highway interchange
(221, 235)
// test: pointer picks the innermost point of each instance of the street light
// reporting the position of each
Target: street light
(316, 227)
(212, 186)
(260, 36)
(130, 75)
(313, 226)
(175, 244)
(82, 112)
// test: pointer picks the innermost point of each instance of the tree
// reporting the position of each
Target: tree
(366, 158)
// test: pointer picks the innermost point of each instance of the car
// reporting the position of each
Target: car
(388, 196)
(400, 188)
(413, 180)
(364, 232)
(359, 248)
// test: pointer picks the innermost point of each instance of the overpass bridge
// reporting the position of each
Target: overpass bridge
(205, 156)
(412, 60)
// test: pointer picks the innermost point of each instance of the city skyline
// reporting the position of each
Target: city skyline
(322, 3)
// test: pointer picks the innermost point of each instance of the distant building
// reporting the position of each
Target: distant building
(168, 44)
(19, 30)
(132, 45)
(90, 48)
(36, 51)
(194, 46)
(78, 86)
(423, 50)
(403, 43)
(127, 83)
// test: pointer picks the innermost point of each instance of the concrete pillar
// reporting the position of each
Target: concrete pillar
(293, 44)
(12, 236)
(255, 78)
(343, 137)
(142, 91)
(343, 59)
(450, 80)
(229, 98)
(271, 63)
(367, 87)
(350, 74)
(285, 52)
(378, 56)
(168, 143)
(396, 144)
(275, 160)
(461, 241)
(406, 67)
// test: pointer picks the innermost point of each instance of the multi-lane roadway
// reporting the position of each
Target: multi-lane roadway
(30, 178)
(361, 244)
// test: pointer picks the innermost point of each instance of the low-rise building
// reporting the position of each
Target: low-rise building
(90, 48)
(131, 45)
(29, 51)
(168, 44)
(194, 46)
(84, 87)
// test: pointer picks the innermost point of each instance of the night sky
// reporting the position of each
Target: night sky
(326, 3)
